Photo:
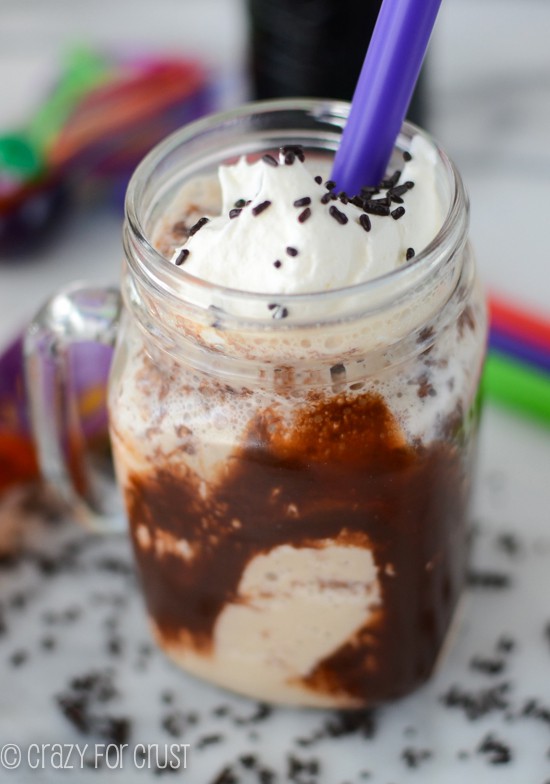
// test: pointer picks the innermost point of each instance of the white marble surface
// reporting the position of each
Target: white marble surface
(490, 82)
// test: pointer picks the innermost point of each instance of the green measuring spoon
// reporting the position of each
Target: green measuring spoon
(22, 153)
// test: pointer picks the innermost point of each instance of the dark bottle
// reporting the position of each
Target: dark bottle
(313, 48)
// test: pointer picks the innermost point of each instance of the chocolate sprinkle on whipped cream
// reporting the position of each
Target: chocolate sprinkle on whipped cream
(359, 244)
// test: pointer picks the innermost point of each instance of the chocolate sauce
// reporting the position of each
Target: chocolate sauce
(342, 474)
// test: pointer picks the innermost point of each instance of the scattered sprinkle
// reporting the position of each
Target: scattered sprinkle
(497, 752)
(489, 579)
(339, 216)
(260, 207)
(235, 212)
(376, 207)
(398, 213)
(487, 666)
(330, 184)
(181, 257)
(270, 160)
(296, 150)
(325, 198)
(303, 202)
(410, 254)
(280, 312)
(318, 179)
(368, 191)
(398, 190)
(240, 203)
(407, 156)
(365, 221)
(277, 264)
(476, 704)
(390, 182)
(413, 758)
(343, 196)
(304, 215)
(198, 225)
(291, 251)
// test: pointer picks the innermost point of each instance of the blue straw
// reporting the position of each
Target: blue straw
(383, 93)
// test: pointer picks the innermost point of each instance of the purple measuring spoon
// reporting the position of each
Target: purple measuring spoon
(383, 93)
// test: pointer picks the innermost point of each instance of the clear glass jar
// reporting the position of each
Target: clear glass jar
(297, 489)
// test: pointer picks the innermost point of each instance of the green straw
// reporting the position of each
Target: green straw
(517, 385)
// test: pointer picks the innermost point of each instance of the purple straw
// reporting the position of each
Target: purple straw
(383, 93)
(516, 348)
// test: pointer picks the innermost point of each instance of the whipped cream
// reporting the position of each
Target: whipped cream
(274, 234)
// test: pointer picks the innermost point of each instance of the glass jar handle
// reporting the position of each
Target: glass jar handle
(68, 348)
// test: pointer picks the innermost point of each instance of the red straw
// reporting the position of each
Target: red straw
(526, 325)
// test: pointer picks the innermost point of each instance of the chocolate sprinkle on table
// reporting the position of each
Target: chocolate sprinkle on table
(414, 757)
(235, 212)
(240, 203)
(339, 216)
(198, 225)
(292, 251)
(410, 254)
(398, 213)
(325, 198)
(488, 579)
(259, 208)
(487, 666)
(303, 216)
(181, 257)
(476, 704)
(330, 184)
(270, 160)
(407, 156)
(303, 202)
(277, 264)
(498, 753)
(318, 179)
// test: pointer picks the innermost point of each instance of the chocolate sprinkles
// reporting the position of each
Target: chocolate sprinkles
(374, 207)
(339, 216)
(235, 212)
(270, 160)
(304, 215)
(296, 150)
(410, 254)
(259, 208)
(303, 202)
(365, 222)
(398, 213)
(181, 257)
(198, 225)
(292, 251)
